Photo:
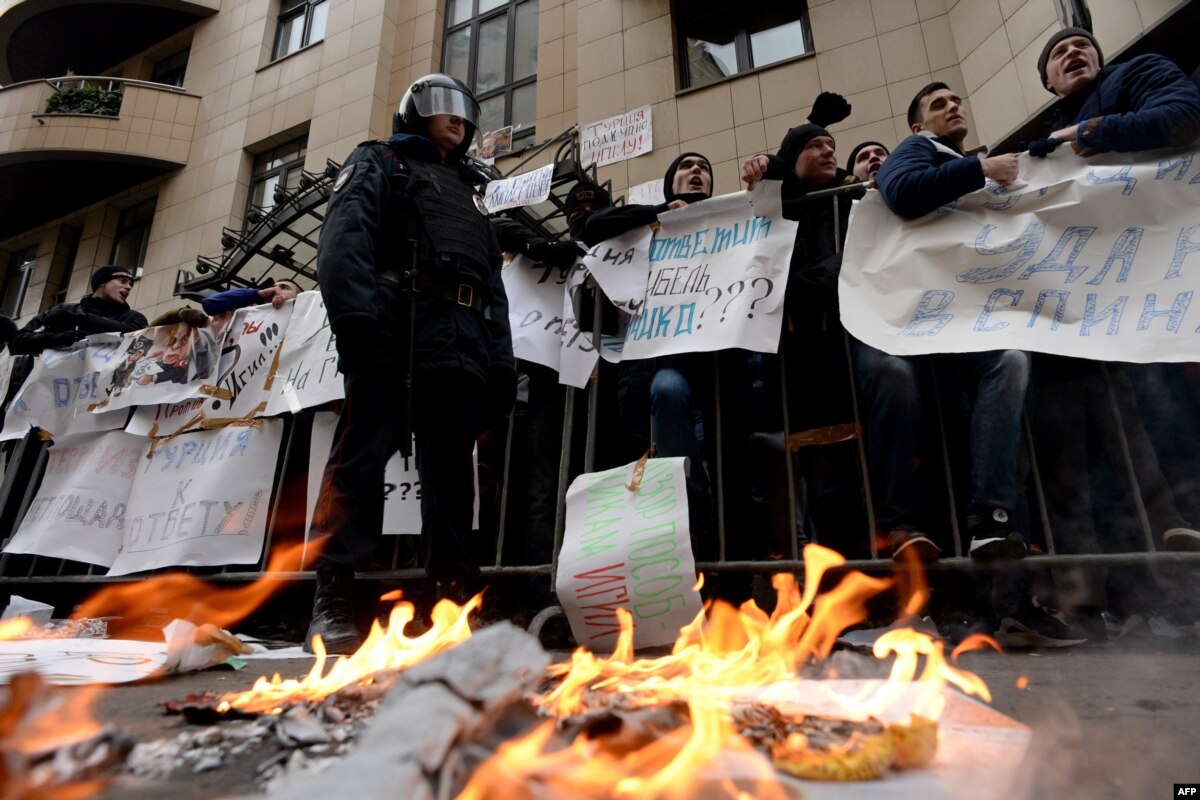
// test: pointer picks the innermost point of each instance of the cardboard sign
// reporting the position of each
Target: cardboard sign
(79, 510)
(1092, 258)
(202, 499)
(628, 550)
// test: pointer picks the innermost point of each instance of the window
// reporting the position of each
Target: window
(301, 23)
(491, 45)
(62, 264)
(1074, 14)
(20, 267)
(170, 70)
(719, 38)
(276, 170)
(133, 236)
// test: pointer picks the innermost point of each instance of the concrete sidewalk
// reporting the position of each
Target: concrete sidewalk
(1115, 720)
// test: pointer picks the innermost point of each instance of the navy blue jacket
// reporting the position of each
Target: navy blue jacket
(917, 177)
(1146, 103)
(230, 300)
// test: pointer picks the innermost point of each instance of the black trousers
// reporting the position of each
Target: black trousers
(448, 409)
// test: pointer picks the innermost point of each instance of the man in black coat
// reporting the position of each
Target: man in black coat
(103, 311)
(410, 272)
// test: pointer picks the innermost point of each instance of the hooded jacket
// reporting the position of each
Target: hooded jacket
(609, 222)
(1143, 104)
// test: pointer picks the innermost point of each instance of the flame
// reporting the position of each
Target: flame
(384, 650)
(12, 628)
(178, 595)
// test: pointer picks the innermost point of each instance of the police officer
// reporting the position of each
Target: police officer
(410, 273)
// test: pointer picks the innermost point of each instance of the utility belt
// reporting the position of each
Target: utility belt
(452, 288)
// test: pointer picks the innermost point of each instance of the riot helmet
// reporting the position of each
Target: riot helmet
(438, 94)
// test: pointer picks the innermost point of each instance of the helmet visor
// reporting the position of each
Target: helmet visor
(447, 100)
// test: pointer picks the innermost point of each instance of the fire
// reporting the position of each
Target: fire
(720, 659)
(12, 628)
(182, 596)
(383, 651)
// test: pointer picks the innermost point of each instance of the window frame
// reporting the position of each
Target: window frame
(509, 87)
(129, 222)
(21, 265)
(741, 41)
(299, 8)
(283, 170)
(173, 65)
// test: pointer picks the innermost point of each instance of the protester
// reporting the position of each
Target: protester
(925, 171)
(409, 269)
(105, 310)
(865, 160)
(270, 291)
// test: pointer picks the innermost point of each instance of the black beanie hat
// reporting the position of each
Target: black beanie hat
(106, 273)
(1065, 33)
(858, 149)
(669, 180)
(795, 140)
(586, 192)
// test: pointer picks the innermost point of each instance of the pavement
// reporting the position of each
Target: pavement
(1112, 720)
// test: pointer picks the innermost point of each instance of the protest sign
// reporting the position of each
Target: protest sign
(79, 510)
(649, 193)
(164, 364)
(1094, 258)
(401, 483)
(78, 662)
(519, 190)
(544, 327)
(578, 356)
(7, 360)
(61, 388)
(307, 375)
(617, 138)
(201, 499)
(630, 550)
(717, 276)
(619, 267)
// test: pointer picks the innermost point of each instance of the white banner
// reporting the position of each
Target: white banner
(618, 265)
(79, 510)
(717, 275)
(628, 550)
(544, 328)
(1091, 258)
(401, 483)
(307, 374)
(519, 190)
(164, 364)
(617, 138)
(61, 388)
(649, 193)
(202, 499)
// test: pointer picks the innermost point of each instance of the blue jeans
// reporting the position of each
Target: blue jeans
(677, 428)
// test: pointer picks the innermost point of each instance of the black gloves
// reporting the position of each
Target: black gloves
(60, 318)
(63, 339)
(556, 254)
(1040, 148)
(828, 108)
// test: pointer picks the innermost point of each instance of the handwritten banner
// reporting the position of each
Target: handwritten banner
(617, 138)
(61, 388)
(79, 510)
(202, 499)
(519, 190)
(1096, 258)
(544, 327)
(307, 375)
(628, 550)
(164, 364)
(716, 279)
(619, 267)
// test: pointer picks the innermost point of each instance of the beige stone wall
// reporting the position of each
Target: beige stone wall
(596, 58)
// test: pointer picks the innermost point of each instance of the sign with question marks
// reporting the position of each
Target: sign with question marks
(717, 274)
(401, 487)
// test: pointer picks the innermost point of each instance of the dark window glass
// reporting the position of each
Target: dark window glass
(133, 236)
(171, 69)
(301, 23)
(279, 168)
(491, 45)
(719, 39)
(16, 281)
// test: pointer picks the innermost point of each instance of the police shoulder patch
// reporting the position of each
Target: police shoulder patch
(344, 176)
(480, 204)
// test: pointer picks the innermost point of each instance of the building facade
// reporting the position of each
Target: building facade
(209, 131)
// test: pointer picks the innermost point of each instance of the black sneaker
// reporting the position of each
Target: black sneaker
(1033, 626)
(333, 614)
(905, 544)
(995, 539)
(1181, 540)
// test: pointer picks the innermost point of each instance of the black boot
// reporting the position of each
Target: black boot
(333, 612)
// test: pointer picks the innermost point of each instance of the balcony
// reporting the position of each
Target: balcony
(45, 37)
(105, 135)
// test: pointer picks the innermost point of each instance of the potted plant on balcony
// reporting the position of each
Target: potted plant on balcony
(84, 100)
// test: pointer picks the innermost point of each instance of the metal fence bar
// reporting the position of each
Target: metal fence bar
(564, 469)
(1038, 491)
(1127, 459)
